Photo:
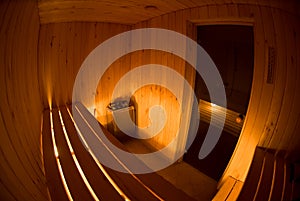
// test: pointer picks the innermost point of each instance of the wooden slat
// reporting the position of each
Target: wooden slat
(225, 189)
(20, 107)
(126, 182)
(288, 118)
(278, 76)
(74, 181)
(265, 183)
(277, 188)
(54, 181)
(287, 189)
(103, 189)
(130, 184)
(235, 191)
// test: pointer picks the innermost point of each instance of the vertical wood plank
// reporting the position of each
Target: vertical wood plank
(21, 107)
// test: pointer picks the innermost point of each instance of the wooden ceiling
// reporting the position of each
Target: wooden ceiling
(115, 11)
(131, 11)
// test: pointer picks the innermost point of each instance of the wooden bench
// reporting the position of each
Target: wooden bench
(229, 190)
(270, 178)
(64, 134)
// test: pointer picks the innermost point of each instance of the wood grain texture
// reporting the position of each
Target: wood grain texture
(54, 181)
(22, 176)
(226, 189)
(143, 97)
(62, 49)
(134, 11)
(66, 44)
(265, 111)
(39, 65)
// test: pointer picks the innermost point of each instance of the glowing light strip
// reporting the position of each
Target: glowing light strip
(111, 181)
(86, 182)
(121, 163)
(63, 179)
(284, 181)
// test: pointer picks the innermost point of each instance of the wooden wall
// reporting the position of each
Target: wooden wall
(144, 97)
(21, 167)
(273, 114)
(62, 49)
(39, 65)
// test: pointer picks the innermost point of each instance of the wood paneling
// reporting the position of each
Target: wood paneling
(39, 66)
(229, 191)
(62, 49)
(21, 168)
(134, 11)
(145, 96)
(149, 186)
(272, 117)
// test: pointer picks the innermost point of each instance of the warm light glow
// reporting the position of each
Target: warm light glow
(49, 99)
(213, 105)
(117, 159)
(239, 119)
(62, 176)
(61, 173)
(111, 181)
(52, 135)
(86, 182)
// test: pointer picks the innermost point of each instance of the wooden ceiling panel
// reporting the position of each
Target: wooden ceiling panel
(133, 11)
(115, 11)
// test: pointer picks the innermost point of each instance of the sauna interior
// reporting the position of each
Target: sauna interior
(255, 45)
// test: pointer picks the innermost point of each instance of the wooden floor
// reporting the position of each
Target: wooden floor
(73, 173)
